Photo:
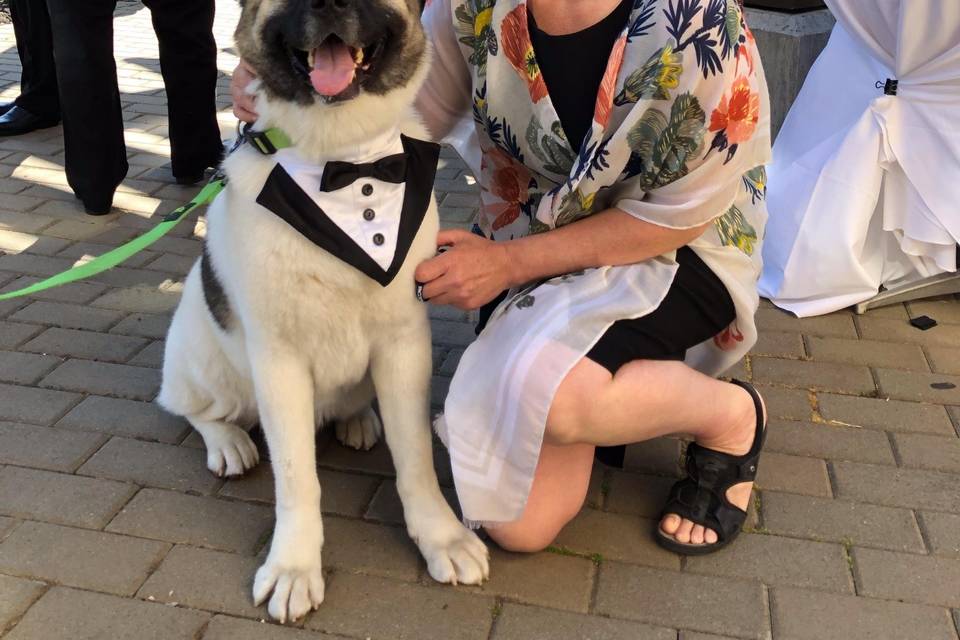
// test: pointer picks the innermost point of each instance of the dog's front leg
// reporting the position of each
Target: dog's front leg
(401, 375)
(292, 572)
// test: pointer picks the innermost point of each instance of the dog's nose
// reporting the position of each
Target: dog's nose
(331, 4)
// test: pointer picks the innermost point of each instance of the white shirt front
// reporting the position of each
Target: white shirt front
(368, 210)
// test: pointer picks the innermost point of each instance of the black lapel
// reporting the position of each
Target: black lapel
(284, 197)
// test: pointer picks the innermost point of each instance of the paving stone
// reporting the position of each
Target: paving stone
(820, 376)
(6, 526)
(836, 324)
(356, 545)
(546, 579)
(152, 464)
(103, 378)
(638, 494)
(85, 344)
(30, 264)
(127, 418)
(227, 628)
(944, 309)
(147, 300)
(944, 359)
(67, 316)
(25, 368)
(414, 611)
(16, 595)
(900, 331)
(812, 615)
(68, 614)
(712, 604)
(781, 344)
(841, 521)
(450, 362)
(194, 520)
(45, 448)
(943, 532)
(938, 388)
(147, 325)
(457, 334)
(890, 415)
(787, 404)
(205, 579)
(521, 622)
(345, 494)
(341, 458)
(59, 498)
(775, 560)
(660, 456)
(793, 474)
(439, 387)
(13, 334)
(386, 506)
(615, 536)
(910, 488)
(79, 558)
(870, 353)
(151, 356)
(75, 292)
(829, 441)
(929, 452)
(907, 577)
(173, 263)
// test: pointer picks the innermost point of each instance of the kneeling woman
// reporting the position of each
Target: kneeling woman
(621, 180)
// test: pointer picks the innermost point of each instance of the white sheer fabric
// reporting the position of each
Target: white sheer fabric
(864, 187)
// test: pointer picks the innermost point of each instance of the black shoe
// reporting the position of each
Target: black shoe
(18, 121)
(191, 179)
(6, 106)
(96, 208)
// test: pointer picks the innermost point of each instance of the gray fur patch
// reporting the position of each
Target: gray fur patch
(213, 293)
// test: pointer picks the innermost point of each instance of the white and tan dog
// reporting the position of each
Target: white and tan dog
(272, 327)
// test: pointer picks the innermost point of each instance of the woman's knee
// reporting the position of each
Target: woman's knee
(530, 536)
(570, 419)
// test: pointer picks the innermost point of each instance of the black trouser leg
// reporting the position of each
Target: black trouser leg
(38, 76)
(188, 61)
(96, 158)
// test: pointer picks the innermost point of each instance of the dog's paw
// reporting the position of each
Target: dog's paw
(230, 451)
(295, 590)
(459, 557)
(361, 431)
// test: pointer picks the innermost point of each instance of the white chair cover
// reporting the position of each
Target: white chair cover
(864, 188)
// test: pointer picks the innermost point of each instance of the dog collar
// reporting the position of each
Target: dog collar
(268, 141)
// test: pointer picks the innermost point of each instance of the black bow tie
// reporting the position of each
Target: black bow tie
(337, 175)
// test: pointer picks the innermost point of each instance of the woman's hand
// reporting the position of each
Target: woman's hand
(470, 273)
(244, 104)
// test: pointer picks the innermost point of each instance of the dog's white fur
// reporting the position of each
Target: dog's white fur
(312, 340)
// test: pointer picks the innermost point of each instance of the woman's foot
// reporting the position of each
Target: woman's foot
(738, 440)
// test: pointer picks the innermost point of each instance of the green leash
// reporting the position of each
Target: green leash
(266, 142)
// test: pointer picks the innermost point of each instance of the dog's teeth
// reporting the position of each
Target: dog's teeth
(310, 57)
(358, 56)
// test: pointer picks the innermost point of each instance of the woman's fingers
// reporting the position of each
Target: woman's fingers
(244, 104)
(448, 237)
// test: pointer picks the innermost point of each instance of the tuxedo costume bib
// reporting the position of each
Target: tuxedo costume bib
(364, 210)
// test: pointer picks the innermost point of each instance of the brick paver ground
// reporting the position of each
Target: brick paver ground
(110, 526)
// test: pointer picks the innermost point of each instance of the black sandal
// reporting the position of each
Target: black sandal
(702, 496)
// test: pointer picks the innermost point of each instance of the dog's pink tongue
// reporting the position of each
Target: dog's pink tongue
(333, 68)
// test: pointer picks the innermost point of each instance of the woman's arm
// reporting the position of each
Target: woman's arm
(474, 270)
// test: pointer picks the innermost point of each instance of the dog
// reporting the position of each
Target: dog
(275, 326)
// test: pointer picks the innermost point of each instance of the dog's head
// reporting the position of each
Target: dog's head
(330, 52)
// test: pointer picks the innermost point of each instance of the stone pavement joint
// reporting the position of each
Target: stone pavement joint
(111, 526)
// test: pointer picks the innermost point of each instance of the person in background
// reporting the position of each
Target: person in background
(96, 159)
(37, 106)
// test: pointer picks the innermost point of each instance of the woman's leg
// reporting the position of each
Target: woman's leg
(647, 399)
(559, 489)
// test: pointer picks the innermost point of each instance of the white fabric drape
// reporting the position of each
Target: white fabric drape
(864, 189)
